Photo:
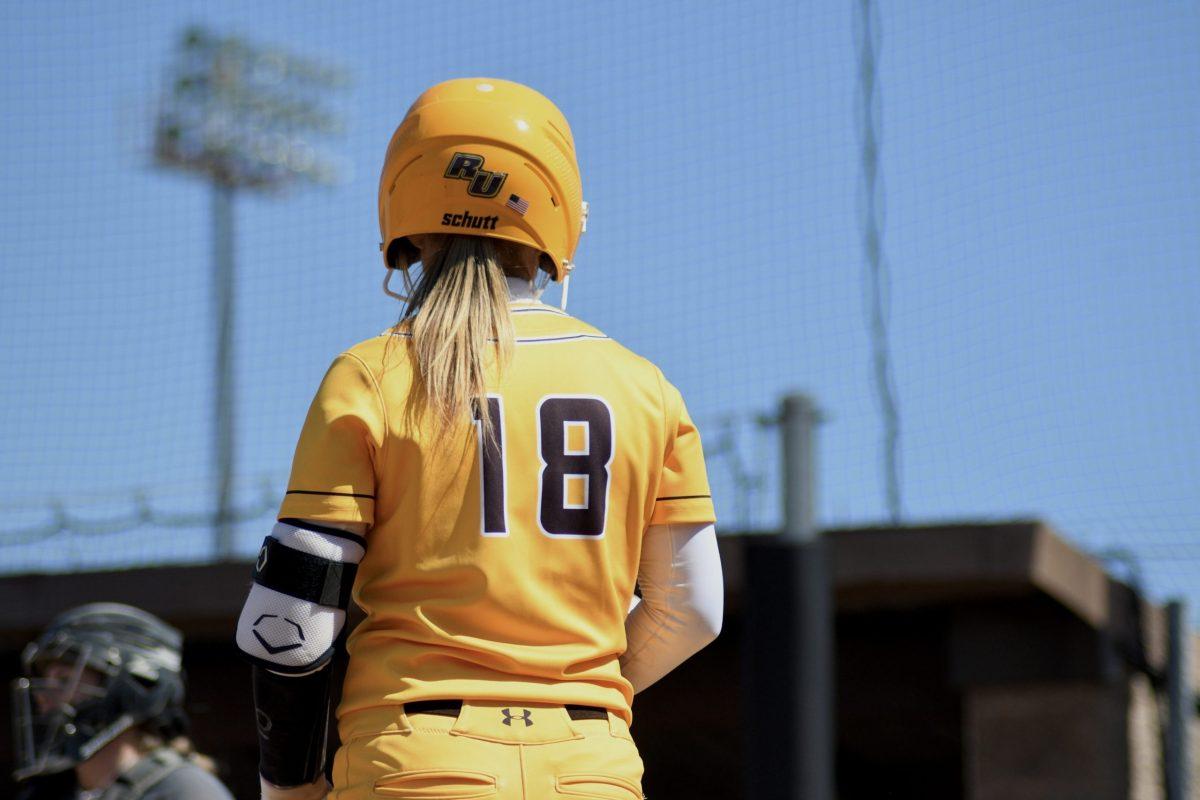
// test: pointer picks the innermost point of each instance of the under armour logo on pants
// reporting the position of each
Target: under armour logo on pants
(526, 715)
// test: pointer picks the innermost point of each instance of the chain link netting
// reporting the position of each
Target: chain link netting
(1034, 306)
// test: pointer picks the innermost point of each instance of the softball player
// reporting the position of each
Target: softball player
(488, 479)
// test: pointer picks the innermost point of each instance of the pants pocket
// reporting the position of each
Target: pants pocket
(442, 784)
(601, 787)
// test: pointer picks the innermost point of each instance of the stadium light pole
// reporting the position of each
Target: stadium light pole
(223, 299)
(243, 117)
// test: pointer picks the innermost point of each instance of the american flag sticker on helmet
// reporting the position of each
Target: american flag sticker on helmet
(517, 204)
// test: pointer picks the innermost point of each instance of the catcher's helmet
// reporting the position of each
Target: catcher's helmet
(95, 672)
(483, 157)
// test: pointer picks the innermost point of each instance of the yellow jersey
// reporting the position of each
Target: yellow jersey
(498, 569)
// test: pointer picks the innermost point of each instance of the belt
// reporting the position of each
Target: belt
(451, 708)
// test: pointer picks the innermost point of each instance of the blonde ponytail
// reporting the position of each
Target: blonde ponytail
(459, 322)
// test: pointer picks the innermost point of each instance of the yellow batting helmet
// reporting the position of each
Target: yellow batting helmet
(484, 157)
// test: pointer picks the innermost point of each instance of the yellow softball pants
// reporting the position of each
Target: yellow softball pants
(491, 751)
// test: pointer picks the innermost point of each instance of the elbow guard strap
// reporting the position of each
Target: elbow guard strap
(304, 576)
(297, 605)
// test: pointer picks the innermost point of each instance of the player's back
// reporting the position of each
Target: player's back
(505, 565)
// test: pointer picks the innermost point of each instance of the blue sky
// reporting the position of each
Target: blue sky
(1040, 169)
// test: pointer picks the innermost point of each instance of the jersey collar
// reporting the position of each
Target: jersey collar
(520, 291)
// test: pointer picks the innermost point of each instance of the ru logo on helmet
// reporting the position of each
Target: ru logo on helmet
(469, 167)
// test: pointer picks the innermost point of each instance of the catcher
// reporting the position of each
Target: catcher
(102, 696)
(488, 479)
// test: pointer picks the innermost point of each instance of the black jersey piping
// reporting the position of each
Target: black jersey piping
(542, 340)
(553, 311)
(537, 340)
(331, 494)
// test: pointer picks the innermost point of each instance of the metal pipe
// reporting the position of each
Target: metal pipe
(813, 632)
(799, 417)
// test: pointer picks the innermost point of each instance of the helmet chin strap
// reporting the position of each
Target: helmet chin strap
(568, 268)
(408, 287)
(566, 288)
(538, 284)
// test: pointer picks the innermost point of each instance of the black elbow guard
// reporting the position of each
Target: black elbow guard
(292, 717)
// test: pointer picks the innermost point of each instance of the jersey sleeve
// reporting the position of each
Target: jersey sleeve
(683, 494)
(333, 471)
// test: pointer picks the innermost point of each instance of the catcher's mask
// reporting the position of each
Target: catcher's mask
(94, 673)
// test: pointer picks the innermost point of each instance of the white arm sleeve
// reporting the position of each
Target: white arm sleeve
(682, 601)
